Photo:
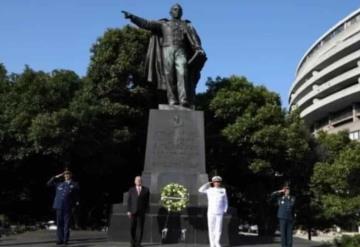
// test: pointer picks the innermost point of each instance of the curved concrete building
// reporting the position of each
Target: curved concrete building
(326, 89)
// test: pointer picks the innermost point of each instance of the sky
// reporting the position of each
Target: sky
(262, 40)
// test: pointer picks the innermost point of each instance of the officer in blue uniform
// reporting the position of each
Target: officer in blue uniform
(66, 197)
(285, 214)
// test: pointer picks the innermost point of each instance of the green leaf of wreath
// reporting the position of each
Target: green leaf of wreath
(174, 197)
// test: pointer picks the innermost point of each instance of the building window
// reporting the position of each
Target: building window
(355, 135)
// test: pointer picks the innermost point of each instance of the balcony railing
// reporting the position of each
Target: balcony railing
(328, 39)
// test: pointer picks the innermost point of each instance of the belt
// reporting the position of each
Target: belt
(175, 44)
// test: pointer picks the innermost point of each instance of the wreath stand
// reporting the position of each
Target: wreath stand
(167, 228)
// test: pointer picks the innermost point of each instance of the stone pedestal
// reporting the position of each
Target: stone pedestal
(175, 153)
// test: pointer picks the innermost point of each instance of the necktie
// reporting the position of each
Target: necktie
(138, 190)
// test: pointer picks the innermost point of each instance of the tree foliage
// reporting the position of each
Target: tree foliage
(335, 180)
(36, 129)
(96, 124)
(255, 145)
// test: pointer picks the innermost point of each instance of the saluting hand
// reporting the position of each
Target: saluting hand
(59, 175)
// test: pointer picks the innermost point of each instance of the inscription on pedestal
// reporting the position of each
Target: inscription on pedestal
(175, 142)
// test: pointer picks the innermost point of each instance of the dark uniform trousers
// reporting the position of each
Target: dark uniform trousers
(286, 229)
(65, 198)
(63, 217)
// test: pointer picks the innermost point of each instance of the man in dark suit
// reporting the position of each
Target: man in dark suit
(66, 197)
(285, 214)
(137, 205)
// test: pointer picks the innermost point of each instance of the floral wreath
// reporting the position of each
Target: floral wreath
(174, 197)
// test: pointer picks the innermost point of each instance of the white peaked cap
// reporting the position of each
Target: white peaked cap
(216, 179)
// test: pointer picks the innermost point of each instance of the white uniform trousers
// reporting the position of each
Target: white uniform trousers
(215, 228)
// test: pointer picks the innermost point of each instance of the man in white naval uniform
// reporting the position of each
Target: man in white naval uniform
(217, 206)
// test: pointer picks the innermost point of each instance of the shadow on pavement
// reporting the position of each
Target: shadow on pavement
(95, 239)
(74, 241)
(264, 241)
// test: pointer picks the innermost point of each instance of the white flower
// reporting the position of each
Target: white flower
(174, 197)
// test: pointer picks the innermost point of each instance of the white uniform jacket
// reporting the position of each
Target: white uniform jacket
(217, 199)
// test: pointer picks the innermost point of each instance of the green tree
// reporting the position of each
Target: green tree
(254, 144)
(335, 182)
(35, 98)
(300, 156)
(112, 109)
(30, 101)
(235, 145)
(96, 125)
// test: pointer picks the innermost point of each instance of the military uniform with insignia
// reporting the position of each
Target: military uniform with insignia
(217, 206)
(66, 197)
(285, 214)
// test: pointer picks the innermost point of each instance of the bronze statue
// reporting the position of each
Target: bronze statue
(175, 56)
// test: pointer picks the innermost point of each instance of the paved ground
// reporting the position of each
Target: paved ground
(99, 239)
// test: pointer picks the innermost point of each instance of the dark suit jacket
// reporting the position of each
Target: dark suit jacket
(138, 204)
(66, 195)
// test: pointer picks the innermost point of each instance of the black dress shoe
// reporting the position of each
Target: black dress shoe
(185, 104)
(59, 242)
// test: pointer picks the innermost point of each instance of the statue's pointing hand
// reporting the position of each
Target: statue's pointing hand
(127, 15)
(201, 51)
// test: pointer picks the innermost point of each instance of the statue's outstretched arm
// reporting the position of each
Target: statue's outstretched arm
(142, 23)
(127, 15)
